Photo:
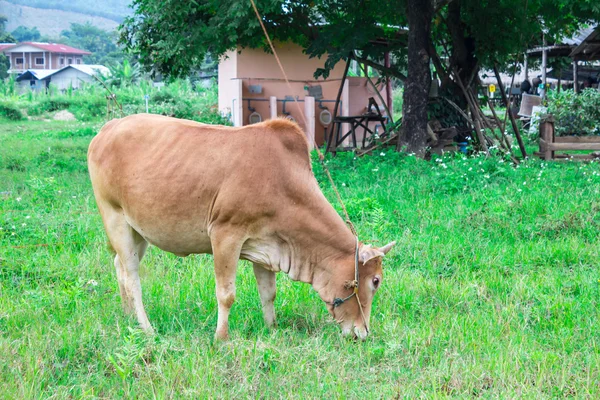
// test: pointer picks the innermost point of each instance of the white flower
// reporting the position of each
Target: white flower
(13, 234)
(23, 224)
(486, 176)
(382, 154)
(375, 169)
(18, 199)
(524, 183)
(343, 184)
(27, 217)
(74, 197)
(14, 227)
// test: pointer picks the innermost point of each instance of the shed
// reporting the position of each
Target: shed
(589, 48)
(35, 79)
(249, 79)
(71, 76)
(74, 75)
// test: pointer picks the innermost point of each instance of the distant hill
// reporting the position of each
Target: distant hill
(53, 21)
(109, 9)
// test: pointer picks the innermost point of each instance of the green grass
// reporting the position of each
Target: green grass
(492, 291)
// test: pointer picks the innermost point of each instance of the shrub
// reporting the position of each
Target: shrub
(575, 114)
(10, 111)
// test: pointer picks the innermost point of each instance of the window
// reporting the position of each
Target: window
(39, 61)
(78, 61)
(62, 61)
(69, 61)
(19, 61)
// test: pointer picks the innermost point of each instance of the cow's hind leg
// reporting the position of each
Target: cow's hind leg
(226, 252)
(265, 281)
(130, 248)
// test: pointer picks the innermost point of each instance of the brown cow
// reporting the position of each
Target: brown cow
(238, 193)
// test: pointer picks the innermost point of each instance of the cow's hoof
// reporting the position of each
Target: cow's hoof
(221, 336)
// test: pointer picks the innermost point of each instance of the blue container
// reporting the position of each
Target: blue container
(462, 147)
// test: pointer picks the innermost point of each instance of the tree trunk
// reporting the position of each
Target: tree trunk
(463, 46)
(418, 80)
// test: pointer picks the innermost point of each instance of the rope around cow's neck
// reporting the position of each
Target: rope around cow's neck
(353, 284)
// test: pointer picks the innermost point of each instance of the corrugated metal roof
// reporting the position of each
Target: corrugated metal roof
(38, 74)
(52, 47)
(89, 69)
(6, 45)
(589, 48)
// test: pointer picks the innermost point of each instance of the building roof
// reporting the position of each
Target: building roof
(38, 74)
(51, 47)
(564, 47)
(45, 73)
(6, 45)
(90, 69)
(589, 48)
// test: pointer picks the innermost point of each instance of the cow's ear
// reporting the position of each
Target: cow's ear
(366, 253)
(385, 249)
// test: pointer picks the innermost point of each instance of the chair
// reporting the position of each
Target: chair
(528, 101)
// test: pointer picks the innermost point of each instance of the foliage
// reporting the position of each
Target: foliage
(5, 37)
(575, 114)
(95, 40)
(124, 74)
(178, 98)
(492, 290)
(9, 111)
(24, 34)
(173, 42)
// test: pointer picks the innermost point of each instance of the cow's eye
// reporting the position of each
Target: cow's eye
(376, 281)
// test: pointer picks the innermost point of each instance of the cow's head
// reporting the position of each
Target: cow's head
(370, 277)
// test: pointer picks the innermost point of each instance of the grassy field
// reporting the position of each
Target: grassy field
(493, 290)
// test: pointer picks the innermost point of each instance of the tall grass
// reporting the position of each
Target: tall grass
(179, 98)
(492, 290)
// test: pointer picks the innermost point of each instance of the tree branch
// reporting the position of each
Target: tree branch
(439, 4)
(382, 69)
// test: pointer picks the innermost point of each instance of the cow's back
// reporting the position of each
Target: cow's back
(174, 178)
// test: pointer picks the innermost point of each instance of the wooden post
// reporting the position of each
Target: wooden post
(512, 118)
(526, 67)
(273, 106)
(546, 138)
(309, 112)
(575, 76)
(388, 88)
(238, 116)
(544, 68)
(346, 108)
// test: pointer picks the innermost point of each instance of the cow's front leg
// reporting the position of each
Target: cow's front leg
(265, 281)
(226, 254)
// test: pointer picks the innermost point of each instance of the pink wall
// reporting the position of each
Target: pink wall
(255, 67)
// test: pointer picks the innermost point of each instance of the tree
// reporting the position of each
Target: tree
(100, 43)
(24, 34)
(416, 86)
(173, 36)
(5, 37)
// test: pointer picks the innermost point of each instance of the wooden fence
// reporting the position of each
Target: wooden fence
(550, 143)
